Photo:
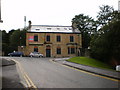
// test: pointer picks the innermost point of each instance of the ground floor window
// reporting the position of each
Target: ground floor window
(71, 50)
(35, 49)
(68, 50)
(58, 50)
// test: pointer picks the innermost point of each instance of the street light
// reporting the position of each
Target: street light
(0, 13)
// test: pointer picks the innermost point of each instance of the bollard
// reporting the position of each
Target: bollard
(118, 68)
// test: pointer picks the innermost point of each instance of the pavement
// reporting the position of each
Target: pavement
(10, 76)
(99, 71)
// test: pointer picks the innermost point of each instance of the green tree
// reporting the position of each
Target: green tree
(115, 16)
(5, 37)
(5, 42)
(105, 14)
(23, 37)
(13, 39)
(106, 47)
(83, 23)
(17, 38)
(87, 26)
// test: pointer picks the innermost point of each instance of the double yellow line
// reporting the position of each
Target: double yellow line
(29, 82)
(112, 79)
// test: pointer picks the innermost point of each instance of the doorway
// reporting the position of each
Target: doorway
(48, 52)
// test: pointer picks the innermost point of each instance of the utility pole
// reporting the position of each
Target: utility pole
(0, 13)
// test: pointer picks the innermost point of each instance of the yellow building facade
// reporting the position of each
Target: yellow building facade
(53, 43)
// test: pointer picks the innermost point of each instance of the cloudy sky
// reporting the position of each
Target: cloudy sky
(48, 12)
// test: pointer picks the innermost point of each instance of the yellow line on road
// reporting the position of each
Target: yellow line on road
(29, 82)
(86, 72)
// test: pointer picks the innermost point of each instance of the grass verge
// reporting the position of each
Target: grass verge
(90, 62)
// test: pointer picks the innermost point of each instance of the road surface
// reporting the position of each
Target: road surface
(47, 74)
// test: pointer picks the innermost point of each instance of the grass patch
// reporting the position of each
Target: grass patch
(90, 62)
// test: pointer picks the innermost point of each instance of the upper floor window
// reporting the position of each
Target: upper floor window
(48, 38)
(58, 28)
(71, 39)
(65, 28)
(37, 29)
(36, 38)
(48, 28)
(58, 39)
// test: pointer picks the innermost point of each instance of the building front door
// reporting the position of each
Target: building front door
(48, 52)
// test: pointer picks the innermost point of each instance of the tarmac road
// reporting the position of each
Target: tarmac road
(10, 76)
(47, 74)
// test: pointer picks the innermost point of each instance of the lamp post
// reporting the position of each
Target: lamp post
(0, 13)
(118, 5)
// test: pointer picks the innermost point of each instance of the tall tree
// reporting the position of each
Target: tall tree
(115, 16)
(5, 37)
(23, 37)
(17, 38)
(83, 23)
(105, 14)
(86, 25)
(5, 42)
